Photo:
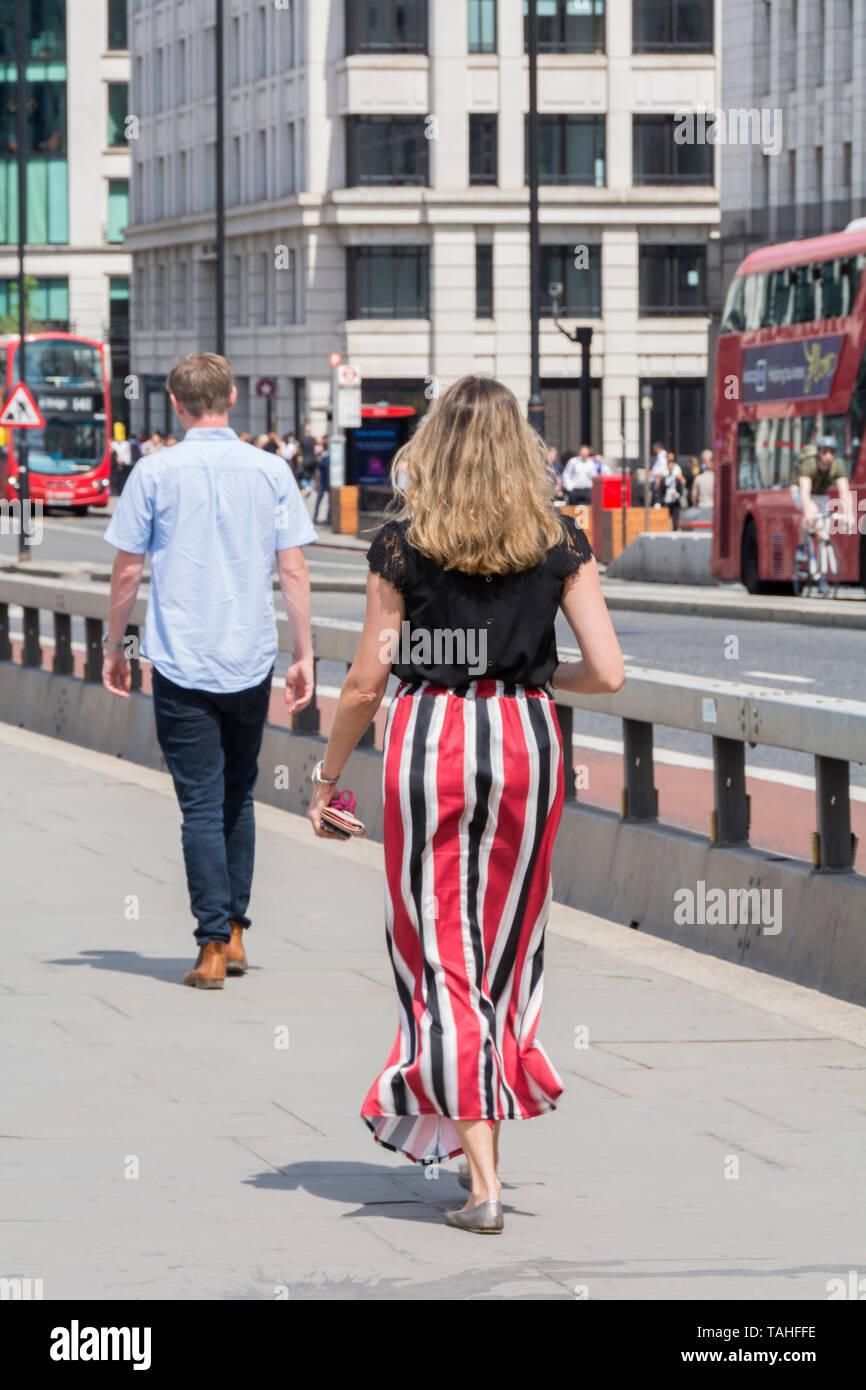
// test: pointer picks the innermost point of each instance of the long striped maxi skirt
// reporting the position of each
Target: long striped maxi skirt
(473, 791)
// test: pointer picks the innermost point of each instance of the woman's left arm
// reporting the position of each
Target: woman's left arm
(363, 689)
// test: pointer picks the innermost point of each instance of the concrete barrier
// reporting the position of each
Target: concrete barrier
(671, 557)
(627, 872)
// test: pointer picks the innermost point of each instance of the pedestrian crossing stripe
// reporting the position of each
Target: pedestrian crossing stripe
(21, 411)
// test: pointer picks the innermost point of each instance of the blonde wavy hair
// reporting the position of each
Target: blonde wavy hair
(474, 483)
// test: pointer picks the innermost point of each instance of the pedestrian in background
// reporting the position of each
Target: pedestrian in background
(323, 482)
(672, 491)
(473, 774)
(213, 513)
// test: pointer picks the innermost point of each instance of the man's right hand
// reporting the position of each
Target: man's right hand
(116, 674)
(299, 685)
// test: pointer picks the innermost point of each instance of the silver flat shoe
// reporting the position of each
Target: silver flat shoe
(485, 1220)
(463, 1177)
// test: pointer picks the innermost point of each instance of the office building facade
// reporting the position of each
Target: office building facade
(375, 166)
(77, 174)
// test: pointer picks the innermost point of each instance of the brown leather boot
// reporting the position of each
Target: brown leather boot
(209, 971)
(236, 956)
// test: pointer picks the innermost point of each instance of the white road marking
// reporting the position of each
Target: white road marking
(775, 676)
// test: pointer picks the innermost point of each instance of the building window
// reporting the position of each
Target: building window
(285, 271)
(389, 282)
(46, 304)
(677, 417)
(483, 149)
(672, 26)
(257, 289)
(260, 167)
(181, 313)
(180, 190)
(386, 150)
(118, 102)
(580, 278)
(386, 26)
(290, 184)
(673, 281)
(567, 26)
(484, 281)
(117, 38)
(570, 150)
(482, 26)
(118, 309)
(261, 42)
(118, 209)
(46, 29)
(180, 73)
(658, 158)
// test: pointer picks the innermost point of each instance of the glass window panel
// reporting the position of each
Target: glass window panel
(117, 33)
(484, 282)
(118, 209)
(118, 93)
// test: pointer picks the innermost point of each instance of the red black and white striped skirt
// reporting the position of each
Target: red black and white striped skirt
(473, 790)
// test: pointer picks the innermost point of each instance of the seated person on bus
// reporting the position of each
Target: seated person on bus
(819, 470)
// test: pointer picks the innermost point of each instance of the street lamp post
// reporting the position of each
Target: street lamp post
(646, 405)
(582, 335)
(536, 401)
(220, 184)
(21, 151)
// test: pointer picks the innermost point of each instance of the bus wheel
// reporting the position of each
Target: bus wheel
(749, 559)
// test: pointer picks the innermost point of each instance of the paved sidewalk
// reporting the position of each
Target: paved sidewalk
(158, 1143)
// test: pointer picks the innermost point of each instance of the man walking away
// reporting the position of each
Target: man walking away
(212, 512)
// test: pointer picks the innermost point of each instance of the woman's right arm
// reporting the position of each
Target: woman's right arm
(601, 669)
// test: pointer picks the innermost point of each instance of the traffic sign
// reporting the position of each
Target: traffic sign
(335, 359)
(266, 387)
(348, 375)
(21, 411)
(349, 408)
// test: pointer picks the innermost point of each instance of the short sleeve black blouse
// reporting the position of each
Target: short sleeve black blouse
(461, 627)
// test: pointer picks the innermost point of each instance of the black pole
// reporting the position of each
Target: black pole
(21, 151)
(220, 183)
(584, 337)
(536, 401)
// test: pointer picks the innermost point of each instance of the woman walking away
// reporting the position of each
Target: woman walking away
(477, 563)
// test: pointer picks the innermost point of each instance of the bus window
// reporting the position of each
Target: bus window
(732, 318)
(754, 297)
(804, 294)
(857, 413)
(779, 302)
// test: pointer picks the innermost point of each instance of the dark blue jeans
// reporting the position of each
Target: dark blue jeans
(211, 744)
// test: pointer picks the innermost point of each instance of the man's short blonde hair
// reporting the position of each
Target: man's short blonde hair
(202, 383)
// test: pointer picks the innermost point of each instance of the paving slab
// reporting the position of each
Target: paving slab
(162, 1143)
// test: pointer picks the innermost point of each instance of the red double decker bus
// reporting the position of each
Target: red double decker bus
(69, 461)
(790, 368)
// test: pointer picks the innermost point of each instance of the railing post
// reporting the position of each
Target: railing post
(833, 846)
(640, 800)
(5, 643)
(32, 653)
(565, 716)
(732, 814)
(134, 663)
(308, 722)
(93, 643)
(64, 664)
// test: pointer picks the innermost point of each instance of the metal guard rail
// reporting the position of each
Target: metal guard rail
(832, 731)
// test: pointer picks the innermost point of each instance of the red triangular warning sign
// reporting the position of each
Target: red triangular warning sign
(21, 411)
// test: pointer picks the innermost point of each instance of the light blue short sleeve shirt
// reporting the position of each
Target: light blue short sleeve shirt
(212, 511)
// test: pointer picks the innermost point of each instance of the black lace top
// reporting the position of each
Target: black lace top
(461, 627)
